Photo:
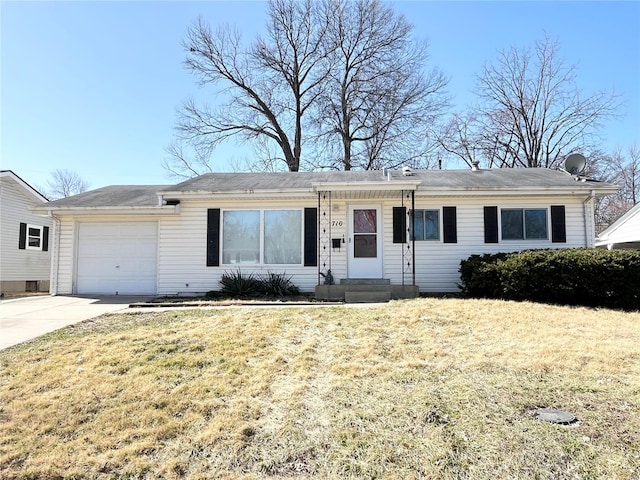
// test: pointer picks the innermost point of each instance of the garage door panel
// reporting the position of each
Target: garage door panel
(117, 257)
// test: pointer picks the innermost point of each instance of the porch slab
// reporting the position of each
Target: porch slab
(365, 281)
(338, 292)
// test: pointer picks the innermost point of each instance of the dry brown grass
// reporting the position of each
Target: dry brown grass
(427, 388)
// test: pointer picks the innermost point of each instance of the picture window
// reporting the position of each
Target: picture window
(270, 237)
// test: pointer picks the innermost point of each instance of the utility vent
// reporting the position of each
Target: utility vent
(31, 286)
(407, 172)
(555, 416)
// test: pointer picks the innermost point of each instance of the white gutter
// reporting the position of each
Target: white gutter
(366, 186)
(123, 210)
(385, 186)
(200, 194)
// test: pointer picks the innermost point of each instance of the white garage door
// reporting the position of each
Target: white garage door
(117, 258)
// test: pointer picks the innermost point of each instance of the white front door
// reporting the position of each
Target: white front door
(365, 241)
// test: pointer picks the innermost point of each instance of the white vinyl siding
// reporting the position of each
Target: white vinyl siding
(437, 264)
(182, 242)
(29, 264)
(182, 247)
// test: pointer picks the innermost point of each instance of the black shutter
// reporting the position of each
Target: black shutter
(558, 224)
(45, 239)
(449, 225)
(399, 225)
(310, 237)
(213, 237)
(22, 239)
(490, 224)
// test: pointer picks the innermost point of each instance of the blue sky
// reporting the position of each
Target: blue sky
(93, 87)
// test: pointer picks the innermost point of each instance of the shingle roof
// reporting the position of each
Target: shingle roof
(494, 178)
(460, 180)
(112, 196)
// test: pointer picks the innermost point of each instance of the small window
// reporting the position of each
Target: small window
(427, 225)
(34, 237)
(524, 224)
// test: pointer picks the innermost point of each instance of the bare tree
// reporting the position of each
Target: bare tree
(64, 183)
(531, 112)
(269, 86)
(629, 174)
(352, 64)
(377, 101)
(624, 171)
(187, 161)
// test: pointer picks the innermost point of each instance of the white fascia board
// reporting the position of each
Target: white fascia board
(384, 185)
(205, 195)
(508, 191)
(75, 211)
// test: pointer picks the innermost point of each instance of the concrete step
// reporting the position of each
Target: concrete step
(358, 296)
(338, 292)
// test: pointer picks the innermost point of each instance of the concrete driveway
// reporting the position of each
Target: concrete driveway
(22, 319)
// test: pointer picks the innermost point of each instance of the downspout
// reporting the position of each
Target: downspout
(55, 255)
(318, 239)
(589, 229)
(413, 237)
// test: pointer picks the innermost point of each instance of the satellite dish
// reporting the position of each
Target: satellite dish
(574, 164)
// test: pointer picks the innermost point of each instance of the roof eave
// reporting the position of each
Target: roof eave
(32, 191)
(511, 191)
(383, 185)
(205, 194)
(112, 210)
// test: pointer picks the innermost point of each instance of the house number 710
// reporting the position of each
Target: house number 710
(336, 223)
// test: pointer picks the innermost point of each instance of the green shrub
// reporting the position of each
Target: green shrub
(277, 285)
(480, 275)
(589, 277)
(237, 284)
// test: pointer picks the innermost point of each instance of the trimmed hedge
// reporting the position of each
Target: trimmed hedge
(588, 277)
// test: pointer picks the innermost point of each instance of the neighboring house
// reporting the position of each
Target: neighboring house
(25, 258)
(368, 227)
(624, 233)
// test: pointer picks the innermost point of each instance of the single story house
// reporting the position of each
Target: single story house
(25, 258)
(624, 233)
(400, 231)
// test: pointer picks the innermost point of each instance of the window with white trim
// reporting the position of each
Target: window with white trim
(254, 237)
(524, 224)
(427, 225)
(34, 237)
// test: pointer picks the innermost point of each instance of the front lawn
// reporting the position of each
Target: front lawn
(425, 388)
